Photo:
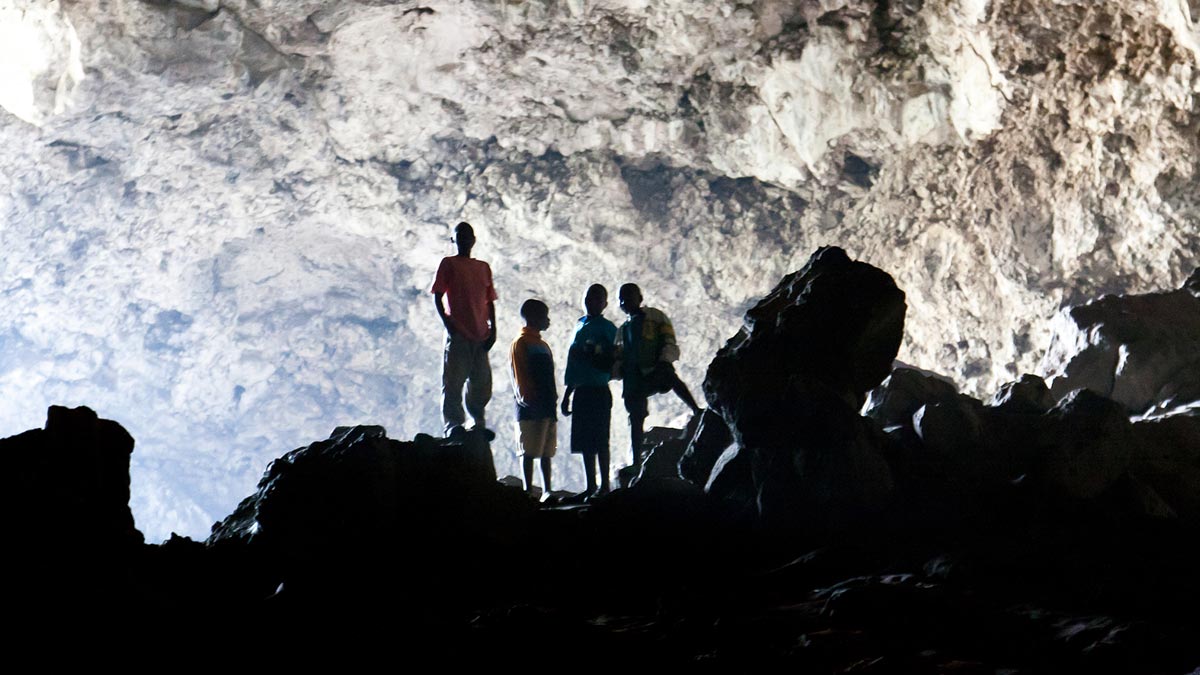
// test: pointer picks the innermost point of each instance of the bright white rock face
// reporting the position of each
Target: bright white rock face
(221, 218)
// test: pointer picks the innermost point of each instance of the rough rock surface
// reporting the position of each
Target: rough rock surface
(69, 534)
(710, 440)
(902, 393)
(1027, 395)
(69, 482)
(221, 216)
(322, 511)
(1140, 350)
(790, 383)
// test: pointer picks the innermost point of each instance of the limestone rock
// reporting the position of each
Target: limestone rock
(1192, 285)
(836, 324)
(1086, 447)
(902, 393)
(790, 383)
(1140, 350)
(710, 440)
(1028, 395)
(662, 449)
(69, 482)
(70, 539)
(732, 480)
(952, 431)
(1167, 459)
(359, 498)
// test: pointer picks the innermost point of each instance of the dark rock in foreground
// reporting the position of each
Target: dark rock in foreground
(69, 534)
(76, 472)
(935, 534)
(804, 359)
(1142, 351)
(405, 510)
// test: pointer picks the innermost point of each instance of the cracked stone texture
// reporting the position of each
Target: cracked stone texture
(220, 218)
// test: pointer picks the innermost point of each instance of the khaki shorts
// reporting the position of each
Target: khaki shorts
(538, 438)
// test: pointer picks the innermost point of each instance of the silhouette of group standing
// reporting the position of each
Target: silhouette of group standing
(640, 353)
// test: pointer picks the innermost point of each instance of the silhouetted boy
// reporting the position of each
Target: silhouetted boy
(589, 368)
(535, 393)
(470, 323)
(645, 349)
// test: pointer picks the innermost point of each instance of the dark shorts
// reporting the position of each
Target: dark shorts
(637, 406)
(658, 381)
(590, 420)
(662, 379)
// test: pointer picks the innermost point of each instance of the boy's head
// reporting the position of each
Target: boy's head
(631, 298)
(536, 314)
(595, 300)
(464, 237)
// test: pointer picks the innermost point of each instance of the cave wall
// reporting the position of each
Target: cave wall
(220, 218)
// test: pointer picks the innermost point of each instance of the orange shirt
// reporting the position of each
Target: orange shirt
(467, 283)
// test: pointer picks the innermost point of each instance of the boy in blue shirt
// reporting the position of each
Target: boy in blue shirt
(589, 368)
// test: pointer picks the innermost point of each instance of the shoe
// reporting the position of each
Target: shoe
(487, 433)
(456, 433)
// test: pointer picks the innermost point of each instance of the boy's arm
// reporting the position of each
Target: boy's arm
(618, 351)
(522, 384)
(441, 283)
(491, 338)
(670, 349)
(441, 310)
(566, 402)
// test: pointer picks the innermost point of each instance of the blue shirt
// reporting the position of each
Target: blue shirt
(590, 359)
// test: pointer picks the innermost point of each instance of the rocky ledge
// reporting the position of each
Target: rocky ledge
(831, 510)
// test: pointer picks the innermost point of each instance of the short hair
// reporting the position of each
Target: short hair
(533, 307)
(464, 225)
(626, 288)
(594, 289)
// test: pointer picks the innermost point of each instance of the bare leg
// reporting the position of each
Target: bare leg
(527, 464)
(589, 470)
(636, 433)
(684, 395)
(546, 473)
(604, 470)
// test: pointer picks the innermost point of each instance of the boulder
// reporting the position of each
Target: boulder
(710, 440)
(952, 434)
(836, 324)
(70, 540)
(1027, 396)
(902, 393)
(792, 380)
(833, 475)
(1142, 351)
(76, 472)
(360, 508)
(732, 480)
(1085, 445)
(1168, 460)
(662, 449)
